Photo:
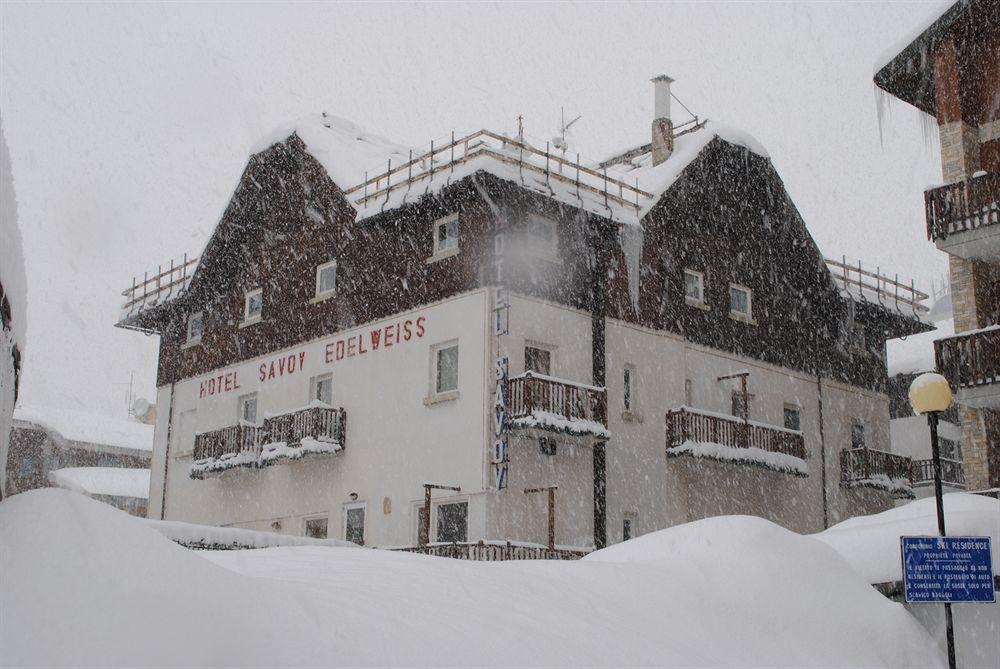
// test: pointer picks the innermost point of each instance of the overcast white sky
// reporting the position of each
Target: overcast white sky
(128, 126)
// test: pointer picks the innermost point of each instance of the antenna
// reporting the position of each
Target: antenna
(560, 141)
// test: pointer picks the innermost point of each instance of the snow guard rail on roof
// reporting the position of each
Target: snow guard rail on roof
(866, 286)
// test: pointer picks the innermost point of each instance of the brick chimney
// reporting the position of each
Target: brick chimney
(663, 127)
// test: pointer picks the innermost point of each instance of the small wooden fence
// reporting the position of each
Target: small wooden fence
(952, 471)
(970, 359)
(483, 551)
(962, 206)
(864, 464)
(687, 424)
(322, 423)
(530, 392)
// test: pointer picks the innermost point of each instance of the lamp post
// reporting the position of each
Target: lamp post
(930, 394)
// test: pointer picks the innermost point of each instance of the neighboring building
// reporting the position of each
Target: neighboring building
(121, 487)
(951, 71)
(13, 287)
(493, 317)
(46, 440)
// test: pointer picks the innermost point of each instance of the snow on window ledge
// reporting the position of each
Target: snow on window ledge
(438, 398)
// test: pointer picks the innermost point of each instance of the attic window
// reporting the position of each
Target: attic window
(326, 279)
(446, 234)
(253, 305)
(740, 302)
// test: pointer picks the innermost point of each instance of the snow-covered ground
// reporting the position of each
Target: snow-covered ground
(85, 584)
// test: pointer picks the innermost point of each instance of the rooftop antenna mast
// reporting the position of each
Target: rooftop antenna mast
(520, 128)
(560, 141)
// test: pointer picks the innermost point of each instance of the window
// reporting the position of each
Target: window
(253, 305)
(248, 408)
(316, 528)
(857, 434)
(628, 387)
(326, 279)
(538, 360)
(737, 404)
(542, 235)
(626, 529)
(446, 235)
(453, 522)
(793, 417)
(694, 287)
(195, 327)
(740, 305)
(354, 524)
(446, 369)
(322, 389)
(547, 446)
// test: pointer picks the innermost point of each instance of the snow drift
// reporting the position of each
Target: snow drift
(85, 584)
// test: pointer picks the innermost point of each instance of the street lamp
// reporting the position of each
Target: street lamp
(930, 394)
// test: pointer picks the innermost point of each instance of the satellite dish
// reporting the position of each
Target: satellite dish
(141, 407)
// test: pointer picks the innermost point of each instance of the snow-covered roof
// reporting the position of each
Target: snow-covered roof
(91, 428)
(910, 36)
(916, 352)
(12, 277)
(871, 543)
(117, 481)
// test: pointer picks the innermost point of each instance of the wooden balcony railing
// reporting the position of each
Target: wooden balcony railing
(495, 552)
(865, 464)
(971, 359)
(532, 392)
(320, 423)
(686, 424)
(952, 471)
(963, 206)
(228, 441)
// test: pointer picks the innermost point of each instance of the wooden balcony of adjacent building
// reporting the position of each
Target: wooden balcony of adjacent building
(536, 402)
(952, 473)
(881, 470)
(309, 432)
(971, 363)
(715, 436)
(963, 218)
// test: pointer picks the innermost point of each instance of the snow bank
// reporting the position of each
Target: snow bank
(96, 587)
(88, 427)
(118, 481)
(871, 543)
(779, 462)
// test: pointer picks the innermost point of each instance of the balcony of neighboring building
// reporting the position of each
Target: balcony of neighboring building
(963, 218)
(971, 363)
(312, 431)
(549, 404)
(714, 436)
(881, 470)
(952, 473)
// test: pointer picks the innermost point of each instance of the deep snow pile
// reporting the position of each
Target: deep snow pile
(871, 543)
(116, 481)
(85, 584)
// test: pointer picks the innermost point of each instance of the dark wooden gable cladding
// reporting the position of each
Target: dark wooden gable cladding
(729, 217)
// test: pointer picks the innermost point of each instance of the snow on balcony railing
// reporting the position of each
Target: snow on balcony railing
(717, 436)
(314, 430)
(864, 285)
(163, 286)
(557, 405)
(963, 206)
(970, 358)
(952, 471)
(867, 467)
(541, 170)
(496, 551)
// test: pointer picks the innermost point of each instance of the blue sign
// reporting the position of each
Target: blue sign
(947, 569)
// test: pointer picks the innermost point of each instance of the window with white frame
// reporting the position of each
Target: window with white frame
(354, 523)
(253, 305)
(316, 528)
(321, 388)
(538, 360)
(858, 434)
(793, 417)
(542, 235)
(445, 368)
(446, 235)
(694, 287)
(195, 326)
(326, 279)
(740, 302)
(453, 522)
(248, 408)
(628, 387)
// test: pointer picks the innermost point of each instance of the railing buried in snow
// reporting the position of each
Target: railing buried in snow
(484, 551)
(963, 206)
(866, 285)
(877, 469)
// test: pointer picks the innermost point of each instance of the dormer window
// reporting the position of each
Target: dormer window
(446, 234)
(740, 303)
(195, 326)
(253, 305)
(694, 288)
(326, 280)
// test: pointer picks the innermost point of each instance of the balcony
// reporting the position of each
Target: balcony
(881, 470)
(952, 472)
(538, 402)
(963, 217)
(715, 436)
(971, 363)
(314, 430)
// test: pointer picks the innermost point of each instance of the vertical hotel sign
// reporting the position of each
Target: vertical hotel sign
(499, 452)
